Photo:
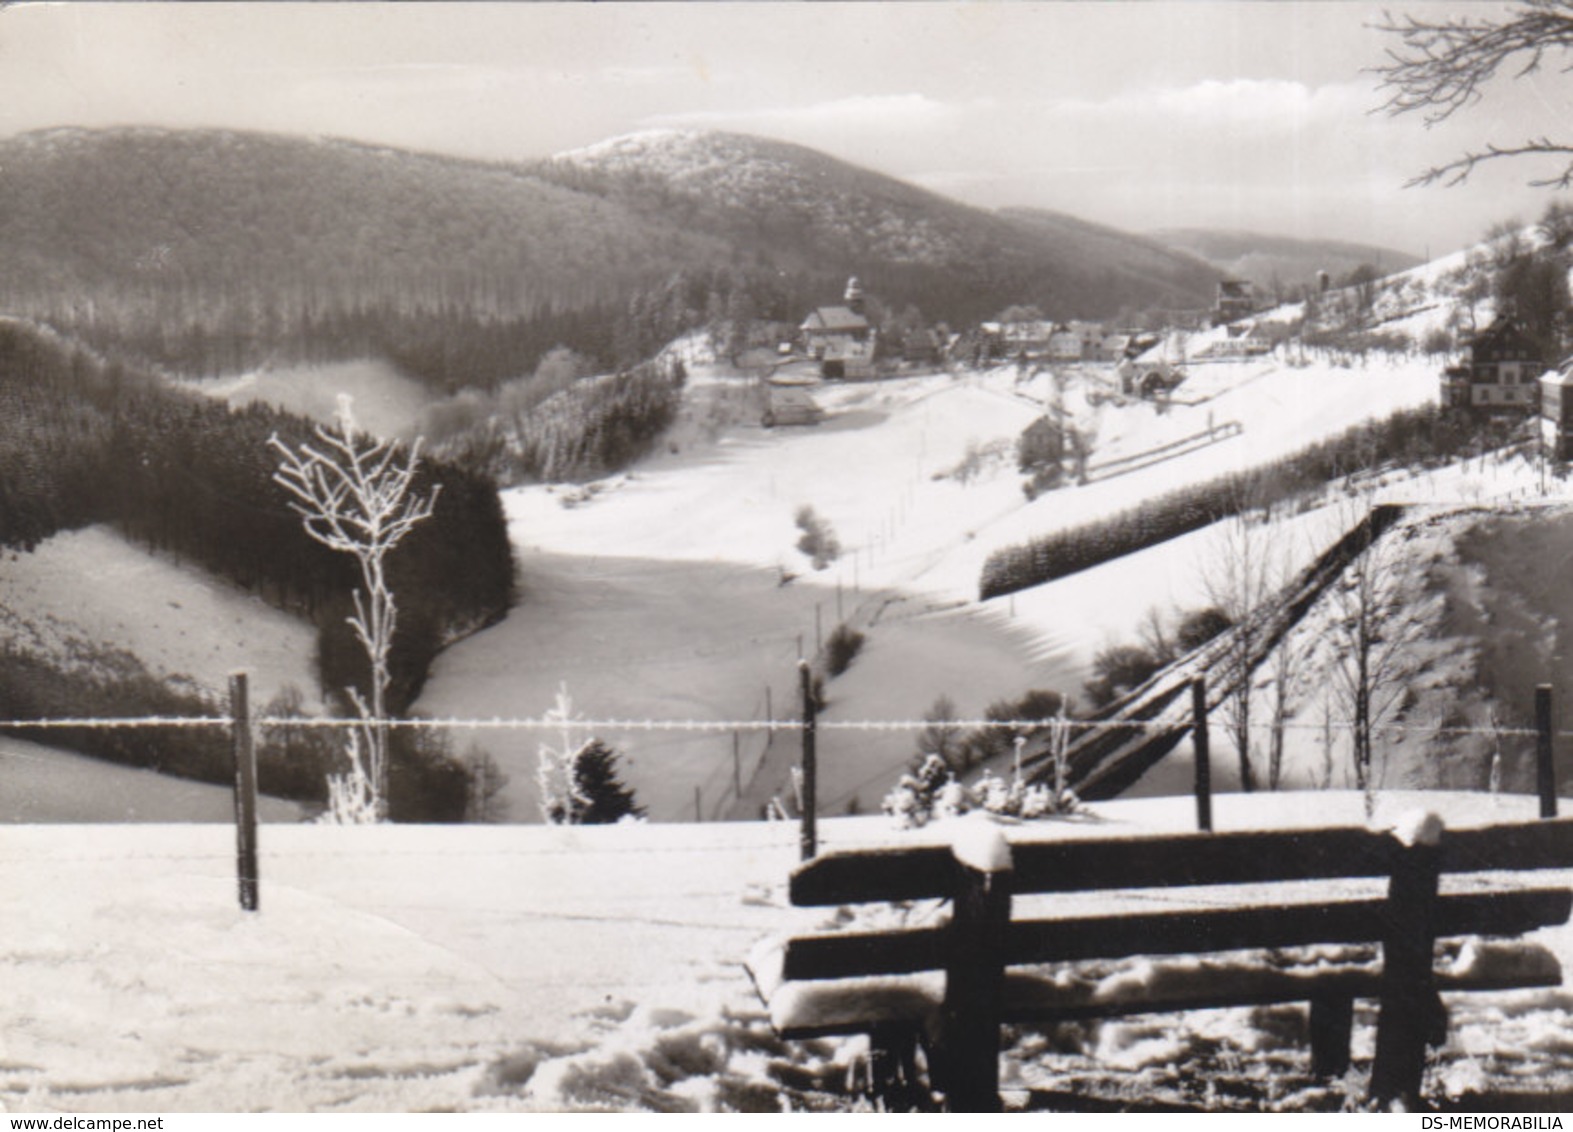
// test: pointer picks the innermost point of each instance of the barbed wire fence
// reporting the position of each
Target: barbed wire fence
(722, 790)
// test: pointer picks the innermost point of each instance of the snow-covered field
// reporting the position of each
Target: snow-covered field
(92, 600)
(477, 969)
(658, 594)
(876, 470)
(632, 588)
(45, 784)
(95, 590)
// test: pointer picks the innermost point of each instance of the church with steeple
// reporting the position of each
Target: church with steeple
(840, 338)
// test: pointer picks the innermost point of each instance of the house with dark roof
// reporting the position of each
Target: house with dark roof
(1236, 300)
(1501, 373)
(840, 338)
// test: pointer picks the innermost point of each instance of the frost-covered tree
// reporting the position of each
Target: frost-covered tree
(355, 494)
(1285, 665)
(578, 781)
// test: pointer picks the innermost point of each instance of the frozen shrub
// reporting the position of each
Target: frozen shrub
(1199, 626)
(932, 792)
(940, 735)
(1117, 671)
(818, 540)
(914, 800)
(844, 645)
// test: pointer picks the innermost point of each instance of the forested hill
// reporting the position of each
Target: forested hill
(209, 251)
(214, 251)
(312, 222)
(806, 210)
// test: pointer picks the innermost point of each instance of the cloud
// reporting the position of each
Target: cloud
(905, 113)
(1263, 103)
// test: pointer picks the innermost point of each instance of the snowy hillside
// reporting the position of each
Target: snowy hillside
(883, 470)
(409, 968)
(1479, 630)
(917, 479)
(84, 596)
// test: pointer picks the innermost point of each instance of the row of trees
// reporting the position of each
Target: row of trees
(1363, 629)
(1415, 437)
(447, 346)
(1365, 632)
(559, 423)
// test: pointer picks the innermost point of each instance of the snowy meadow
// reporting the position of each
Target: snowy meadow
(590, 969)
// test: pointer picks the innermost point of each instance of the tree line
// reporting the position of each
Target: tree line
(1411, 437)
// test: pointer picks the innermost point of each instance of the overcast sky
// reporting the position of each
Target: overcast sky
(1146, 115)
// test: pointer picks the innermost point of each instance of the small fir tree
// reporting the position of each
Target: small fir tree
(579, 784)
(598, 796)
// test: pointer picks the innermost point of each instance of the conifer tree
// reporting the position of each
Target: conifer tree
(598, 795)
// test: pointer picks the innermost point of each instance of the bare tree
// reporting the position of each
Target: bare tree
(1442, 66)
(1285, 668)
(1373, 638)
(1239, 582)
(1155, 637)
(941, 736)
(355, 494)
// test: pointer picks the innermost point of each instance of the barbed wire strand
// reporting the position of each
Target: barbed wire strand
(719, 726)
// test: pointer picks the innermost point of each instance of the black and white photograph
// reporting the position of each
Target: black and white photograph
(786, 557)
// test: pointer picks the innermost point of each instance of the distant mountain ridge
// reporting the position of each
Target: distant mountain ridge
(813, 210)
(1283, 261)
(217, 250)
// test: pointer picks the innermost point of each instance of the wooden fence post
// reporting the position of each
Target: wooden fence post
(1203, 757)
(1545, 753)
(737, 765)
(1332, 1027)
(245, 790)
(1410, 1005)
(968, 1069)
(809, 837)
